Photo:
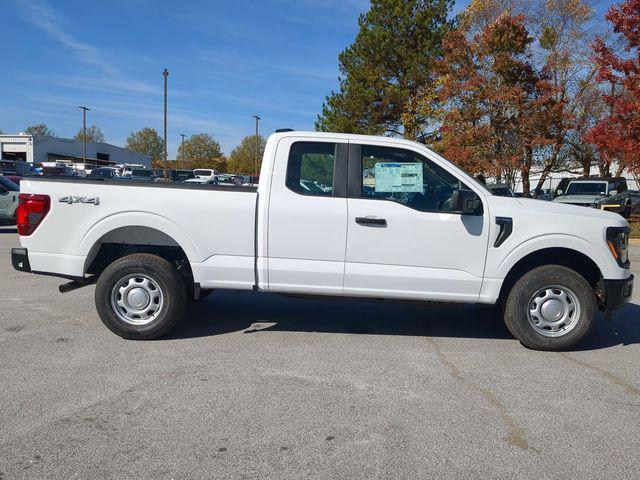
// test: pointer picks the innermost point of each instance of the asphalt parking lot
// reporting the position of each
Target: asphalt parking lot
(259, 386)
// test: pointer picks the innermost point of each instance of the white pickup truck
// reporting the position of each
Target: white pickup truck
(334, 215)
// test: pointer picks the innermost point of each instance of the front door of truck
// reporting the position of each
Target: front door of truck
(403, 241)
(307, 225)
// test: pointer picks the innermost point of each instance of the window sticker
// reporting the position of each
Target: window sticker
(398, 177)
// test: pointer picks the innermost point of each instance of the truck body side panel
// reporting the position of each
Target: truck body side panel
(214, 227)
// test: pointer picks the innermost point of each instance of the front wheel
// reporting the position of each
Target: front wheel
(140, 296)
(550, 308)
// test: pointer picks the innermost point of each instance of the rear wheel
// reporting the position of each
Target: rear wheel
(550, 308)
(140, 296)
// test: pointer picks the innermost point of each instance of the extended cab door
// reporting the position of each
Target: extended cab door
(403, 241)
(307, 218)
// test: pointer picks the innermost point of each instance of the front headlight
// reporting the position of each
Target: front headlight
(618, 243)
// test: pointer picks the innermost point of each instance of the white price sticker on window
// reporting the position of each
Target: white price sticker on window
(398, 177)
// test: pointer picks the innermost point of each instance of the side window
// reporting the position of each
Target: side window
(310, 168)
(408, 178)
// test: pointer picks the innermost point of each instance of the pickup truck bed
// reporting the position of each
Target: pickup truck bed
(215, 226)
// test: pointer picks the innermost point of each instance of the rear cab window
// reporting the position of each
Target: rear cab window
(310, 168)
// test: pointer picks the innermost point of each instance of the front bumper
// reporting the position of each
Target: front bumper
(20, 259)
(617, 293)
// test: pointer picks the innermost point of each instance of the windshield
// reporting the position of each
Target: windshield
(9, 185)
(587, 188)
(204, 173)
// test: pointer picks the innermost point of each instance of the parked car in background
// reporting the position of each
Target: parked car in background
(547, 194)
(311, 188)
(180, 175)
(7, 167)
(58, 171)
(500, 189)
(598, 192)
(127, 168)
(205, 173)
(14, 178)
(18, 168)
(226, 180)
(626, 203)
(83, 169)
(142, 175)
(251, 181)
(9, 192)
(104, 172)
(202, 181)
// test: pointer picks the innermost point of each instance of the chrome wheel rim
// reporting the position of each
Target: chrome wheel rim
(137, 299)
(553, 311)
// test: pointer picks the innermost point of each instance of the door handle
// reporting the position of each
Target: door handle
(371, 221)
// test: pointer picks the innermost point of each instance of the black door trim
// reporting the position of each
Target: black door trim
(354, 171)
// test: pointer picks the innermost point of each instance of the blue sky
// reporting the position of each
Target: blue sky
(227, 60)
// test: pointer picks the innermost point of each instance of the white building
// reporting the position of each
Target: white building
(51, 149)
(554, 178)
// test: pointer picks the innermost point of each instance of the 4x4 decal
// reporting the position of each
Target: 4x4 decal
(72, 199)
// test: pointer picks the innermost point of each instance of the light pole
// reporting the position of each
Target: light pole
(84, 131)
(182, 135)
(165, 74)
(257, 143)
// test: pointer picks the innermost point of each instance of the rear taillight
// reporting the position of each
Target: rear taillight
(31, 211)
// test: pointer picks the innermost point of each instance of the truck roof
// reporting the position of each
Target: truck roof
(342, 136)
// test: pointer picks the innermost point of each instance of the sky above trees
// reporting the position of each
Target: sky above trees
(228, 61)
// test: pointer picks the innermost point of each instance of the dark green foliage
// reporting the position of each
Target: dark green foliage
(383, 70)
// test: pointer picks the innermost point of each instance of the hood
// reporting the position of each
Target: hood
(504, 205)
(581, 199)
(541, 206)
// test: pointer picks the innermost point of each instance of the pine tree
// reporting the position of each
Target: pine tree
(385, 68)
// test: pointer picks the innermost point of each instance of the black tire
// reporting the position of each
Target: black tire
(162, 275)
(521, 299)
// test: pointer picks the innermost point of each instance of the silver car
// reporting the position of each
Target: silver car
(9, 192)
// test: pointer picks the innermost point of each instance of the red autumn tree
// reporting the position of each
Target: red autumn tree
(617, 136)
(497, 109)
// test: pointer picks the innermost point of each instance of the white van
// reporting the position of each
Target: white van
(205, 173)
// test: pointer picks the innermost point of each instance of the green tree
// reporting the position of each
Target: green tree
(94, 134)
(386, 67)
(146, 141)
(242, 158)
(39, 130)
(201, 151)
